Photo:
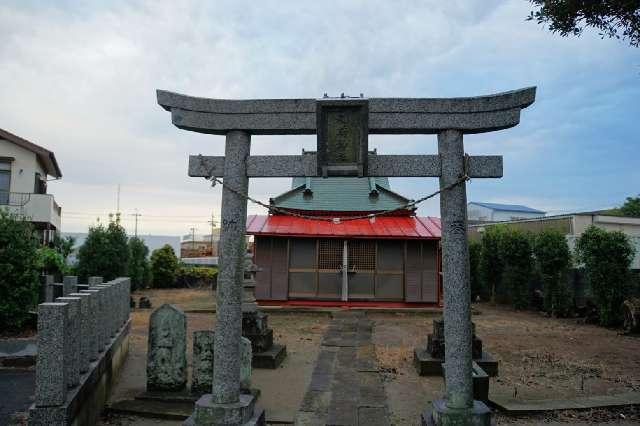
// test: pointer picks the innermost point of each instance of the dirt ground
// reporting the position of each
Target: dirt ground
(301, 333)
(540, 358)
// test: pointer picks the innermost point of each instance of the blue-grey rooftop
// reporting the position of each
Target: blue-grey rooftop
(508, 207)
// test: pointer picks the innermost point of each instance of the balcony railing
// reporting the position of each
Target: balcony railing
(41, 208)
(17, 199)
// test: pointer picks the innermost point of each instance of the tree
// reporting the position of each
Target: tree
(64, 246)
(51, 262)
(18, 271)
(515, 250)
(105, 252)
(631, 207)
(138, 264)
(164, 267)
(618, 19)
(553, 258)
(607, 257)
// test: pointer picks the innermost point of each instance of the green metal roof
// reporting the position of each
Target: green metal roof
(347, 194)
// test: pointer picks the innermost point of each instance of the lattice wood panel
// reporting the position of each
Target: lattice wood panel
(330, 254)
(362, 255)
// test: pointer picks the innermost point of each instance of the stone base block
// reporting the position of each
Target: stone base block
(440, 415)
(180, 397)
(262, 341)
(48, 416)
(429, 366)
(243, 412)
(269, 359)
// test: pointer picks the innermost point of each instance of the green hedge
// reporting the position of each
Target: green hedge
(196, 276)
(553, 259)
(514, 248)
(19, 286)
(607, 257)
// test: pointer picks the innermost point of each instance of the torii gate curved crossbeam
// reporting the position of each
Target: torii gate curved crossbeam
(386, 115)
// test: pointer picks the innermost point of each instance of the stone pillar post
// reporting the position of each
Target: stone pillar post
(85, 330)
(72, 330)
(69, 285)
(127, 291)
(94, 333)
(47, 283)
(455, 270)
(51, 373)
(228, 330)
(101, 332)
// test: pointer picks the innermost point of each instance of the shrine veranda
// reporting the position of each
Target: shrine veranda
(343, 125)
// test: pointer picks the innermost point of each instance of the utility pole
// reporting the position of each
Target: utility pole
(136, 215)
(193, 238)
(213, 225)
(118, 200)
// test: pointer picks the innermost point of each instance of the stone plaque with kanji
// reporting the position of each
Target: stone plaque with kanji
(343, 128)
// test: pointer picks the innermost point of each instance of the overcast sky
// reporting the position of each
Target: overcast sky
(81, 81)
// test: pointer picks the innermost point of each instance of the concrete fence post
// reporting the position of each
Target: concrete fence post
(72, 330)
(94, 334)
(85, 330)
(69, 285)
(47, 283)
(51, 371)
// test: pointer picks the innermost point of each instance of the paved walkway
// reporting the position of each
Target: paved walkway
(16, 392)
(346, 387)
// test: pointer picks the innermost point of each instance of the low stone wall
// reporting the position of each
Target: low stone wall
(83, 341)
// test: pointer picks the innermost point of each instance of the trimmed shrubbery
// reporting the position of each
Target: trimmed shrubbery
(164, 267)
(196, 276)
(515, 251)
(607, 257)
(491, 264)
(553, 259)
(139, 269)
(19, 285)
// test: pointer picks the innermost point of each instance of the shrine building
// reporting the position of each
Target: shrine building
(392, 260)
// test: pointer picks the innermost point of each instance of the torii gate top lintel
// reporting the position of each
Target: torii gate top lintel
(386, 115)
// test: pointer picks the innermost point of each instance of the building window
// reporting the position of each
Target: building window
(362, 255)
(40, 185)
(330, 254)
(5, 182)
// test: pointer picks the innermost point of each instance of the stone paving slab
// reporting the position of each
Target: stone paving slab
(16, 392)
(511, 405)
(346, 387)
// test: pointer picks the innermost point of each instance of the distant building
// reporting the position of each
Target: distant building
(392, 259)
(494, 212)
(199, 246)
(24, 168)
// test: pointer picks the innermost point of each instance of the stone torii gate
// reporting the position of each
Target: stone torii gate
(342, 125)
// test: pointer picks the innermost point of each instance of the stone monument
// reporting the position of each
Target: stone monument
(255, 327)
(428, 361)
(342, 125)
(202, 363)
(166, 353)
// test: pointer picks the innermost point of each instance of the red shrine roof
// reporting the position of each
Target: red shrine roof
(404, 227)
